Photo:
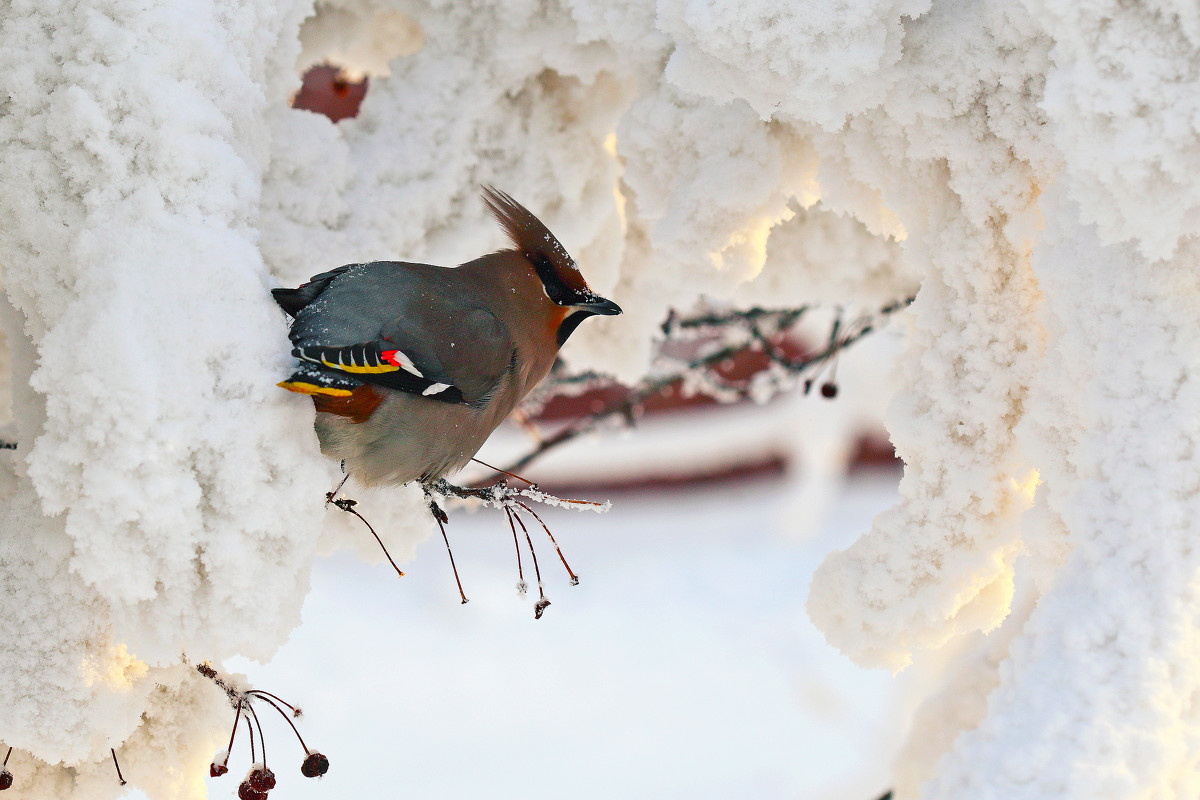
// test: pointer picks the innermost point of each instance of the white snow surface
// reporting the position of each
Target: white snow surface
(1033, 167)
(682, 665)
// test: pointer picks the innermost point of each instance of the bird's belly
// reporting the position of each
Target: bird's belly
(407, 438)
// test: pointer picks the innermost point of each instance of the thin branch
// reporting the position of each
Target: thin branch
(348, 507)
(241, 698)
(500, 495)
(120, 777)
(757, 324)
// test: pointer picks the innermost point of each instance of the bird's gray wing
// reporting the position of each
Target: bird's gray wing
(405, 327)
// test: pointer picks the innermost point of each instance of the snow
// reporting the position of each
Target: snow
(1129, 341)
(164, 497)
(1125, 83)
(1030, 166)
(681, 665)
(560, 502)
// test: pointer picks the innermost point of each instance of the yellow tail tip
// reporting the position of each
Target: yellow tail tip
(303, 387)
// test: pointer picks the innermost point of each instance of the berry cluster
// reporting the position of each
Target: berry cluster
(259, 779)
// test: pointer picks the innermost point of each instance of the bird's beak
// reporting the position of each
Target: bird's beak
(605, 308)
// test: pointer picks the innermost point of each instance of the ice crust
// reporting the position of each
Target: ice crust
(1031, 167)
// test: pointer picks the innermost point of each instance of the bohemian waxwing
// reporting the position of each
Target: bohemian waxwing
(411, 366)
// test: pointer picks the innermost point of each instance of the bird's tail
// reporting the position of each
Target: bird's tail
(292, 300)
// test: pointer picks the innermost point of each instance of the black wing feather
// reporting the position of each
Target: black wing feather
(292, 300)
(366, 363)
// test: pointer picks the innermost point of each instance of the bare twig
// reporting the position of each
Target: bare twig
(236, 696)
(120, 777)
(500, 495)
(348, 506)
(542, 603)
(242, 700)
(440, 516)
(758, 329)
(511, 500)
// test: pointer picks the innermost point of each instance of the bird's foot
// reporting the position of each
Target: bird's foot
(330, 495)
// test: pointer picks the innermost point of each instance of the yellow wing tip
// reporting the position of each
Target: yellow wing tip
(357, 368)
(303, 387)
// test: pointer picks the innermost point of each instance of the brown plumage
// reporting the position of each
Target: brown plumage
(412, 366)
(357, 407)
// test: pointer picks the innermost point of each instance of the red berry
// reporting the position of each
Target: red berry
(216, 770)
(248, 792)
(6, 779)
(314, 766)
(829, 390)
(262, 779)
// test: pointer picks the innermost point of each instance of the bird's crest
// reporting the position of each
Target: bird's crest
(534, 240)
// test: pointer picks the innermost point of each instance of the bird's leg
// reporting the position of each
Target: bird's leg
(542, 603)
(330, 495)
(442, 519)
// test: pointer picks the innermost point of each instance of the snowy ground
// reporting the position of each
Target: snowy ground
(683, 665)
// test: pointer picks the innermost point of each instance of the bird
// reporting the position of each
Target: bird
(412, 366)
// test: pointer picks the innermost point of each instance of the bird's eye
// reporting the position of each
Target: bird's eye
(552, 285)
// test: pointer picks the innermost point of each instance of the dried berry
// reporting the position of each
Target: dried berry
(314, 766)
(216, 770)
(248, 792)
(829, 390)
(6, 779)
(261, 779)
